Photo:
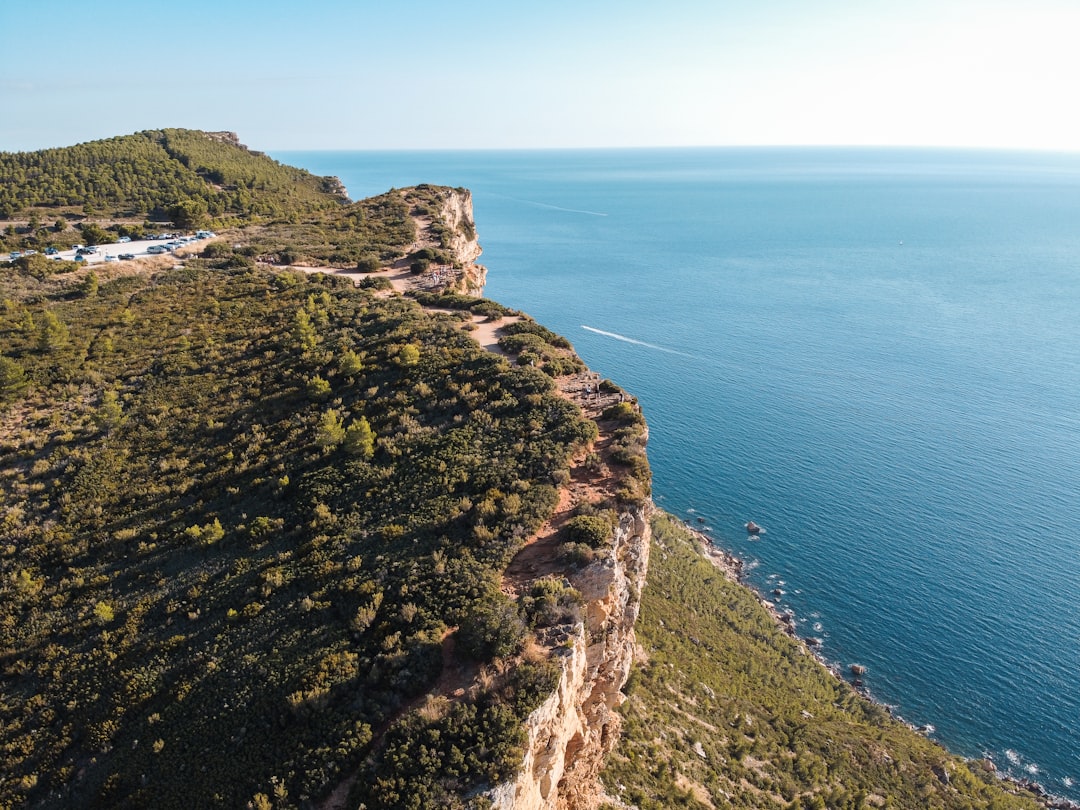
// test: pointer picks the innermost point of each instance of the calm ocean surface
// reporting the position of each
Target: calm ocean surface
(875, 354)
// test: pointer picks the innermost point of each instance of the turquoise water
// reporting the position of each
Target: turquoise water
(875, 354)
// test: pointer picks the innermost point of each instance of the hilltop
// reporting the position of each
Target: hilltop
(177, 175)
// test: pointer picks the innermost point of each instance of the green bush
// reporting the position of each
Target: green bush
(594, 531)
(491, 628)
(368, 264)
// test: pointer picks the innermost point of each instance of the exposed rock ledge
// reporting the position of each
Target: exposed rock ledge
(572, 732)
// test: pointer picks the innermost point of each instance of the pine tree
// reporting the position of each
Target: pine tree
(331, 430)
(53, 333)
(360, 439)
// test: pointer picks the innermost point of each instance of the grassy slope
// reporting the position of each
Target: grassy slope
(729, 711)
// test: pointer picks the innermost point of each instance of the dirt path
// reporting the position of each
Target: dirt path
(591, 481)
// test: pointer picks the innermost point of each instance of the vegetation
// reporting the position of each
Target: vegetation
(535, 345)
(729, 711)
(134, 184)
(145, 174)
(242, 514)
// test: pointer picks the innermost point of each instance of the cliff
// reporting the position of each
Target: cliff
(455, 228)
(572, 732)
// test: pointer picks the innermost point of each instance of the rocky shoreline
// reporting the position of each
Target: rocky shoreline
(733, 569)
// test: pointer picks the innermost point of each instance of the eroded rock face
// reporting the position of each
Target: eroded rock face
(457, 212)
(572, 732)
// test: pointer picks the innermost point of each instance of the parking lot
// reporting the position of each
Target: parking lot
(131, 250)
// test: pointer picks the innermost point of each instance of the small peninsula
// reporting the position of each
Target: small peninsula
(291, 517)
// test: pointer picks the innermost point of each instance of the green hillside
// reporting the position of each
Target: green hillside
(736, 714)
(240, 510)
(144, 174)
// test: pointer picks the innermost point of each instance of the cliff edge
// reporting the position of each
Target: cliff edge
(573, 731)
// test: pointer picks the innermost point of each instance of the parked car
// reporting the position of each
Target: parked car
(126, 257)
(79, 257)
(157, 249)
(51, 251)
(123, 240)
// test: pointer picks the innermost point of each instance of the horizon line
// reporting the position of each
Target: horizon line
(686, 147)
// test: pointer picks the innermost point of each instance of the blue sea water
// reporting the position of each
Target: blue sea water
(875, 354)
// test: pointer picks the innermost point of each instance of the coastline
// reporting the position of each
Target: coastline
(732, 567)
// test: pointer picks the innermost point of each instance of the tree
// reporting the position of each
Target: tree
(189, 213)
(60, 225)
(349, 363)
(331, 431)
(304, 332)
(360, 439)
(94, 234)
(89, 286)
(103, 612)
(53, 333)
(409, 355)
(217, 250)
(110, 413)
(318, 389)
(592, 530)
(12, 379)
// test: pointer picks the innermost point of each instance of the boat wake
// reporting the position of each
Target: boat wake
(636, 342)
(551, 207)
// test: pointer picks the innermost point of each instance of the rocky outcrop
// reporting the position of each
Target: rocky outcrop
(457, 212)
(572, 732)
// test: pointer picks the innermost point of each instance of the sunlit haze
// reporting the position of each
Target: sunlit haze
(482, 74)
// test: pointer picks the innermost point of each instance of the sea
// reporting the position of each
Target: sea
(872, 353)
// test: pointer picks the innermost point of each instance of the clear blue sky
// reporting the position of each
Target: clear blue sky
(334, 74)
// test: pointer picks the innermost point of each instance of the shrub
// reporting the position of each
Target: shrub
(491, 629)
(577, 554)
(592, 530)
(623, 412)
(318, 389)
(368, 264)
(551, 602)
(217, 250)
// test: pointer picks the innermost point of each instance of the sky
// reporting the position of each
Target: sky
(487, 74)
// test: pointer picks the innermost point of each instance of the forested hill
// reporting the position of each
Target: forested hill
(143, 174)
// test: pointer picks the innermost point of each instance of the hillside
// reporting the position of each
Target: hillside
(244, 506)
(156, 175)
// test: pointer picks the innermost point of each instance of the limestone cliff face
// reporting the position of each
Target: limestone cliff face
(457, 212)
(572, 732)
